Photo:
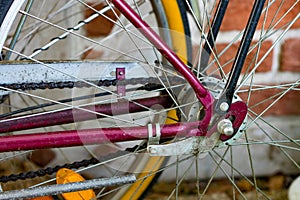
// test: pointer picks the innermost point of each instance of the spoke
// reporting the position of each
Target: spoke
(41, 106)
(101, 163)
(274, 101)
(283, 150)
(50, 67)
(258, 87)
(228, 176)
(18, 31)
(117, 171)
(71, 31)
(252, 141)
(219, 54)
(64, 104)
(34, 28)
(232, 171)
(240, 174)
(146, 61)
(121, 25)
(268, 52)
(110, 36)
(251, 165)
(13, 155)
(127, 32)
(179, 180)
(277, 130)
(200, 51)
(214, 173)
(170, 93)
(271, 98)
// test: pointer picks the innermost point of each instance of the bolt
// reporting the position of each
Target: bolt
(152, 150)
(225, 127)
(224, 106)
(228, 131)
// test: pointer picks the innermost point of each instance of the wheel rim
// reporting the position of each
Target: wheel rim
(260, 124)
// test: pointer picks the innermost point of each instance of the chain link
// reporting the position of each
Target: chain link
(47, 171)
(99, 83)
(74, 165)
(148, 84)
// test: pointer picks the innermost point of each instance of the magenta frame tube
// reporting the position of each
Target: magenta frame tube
(78, 115)
(201, 92)
(121, 134)
(96, 136)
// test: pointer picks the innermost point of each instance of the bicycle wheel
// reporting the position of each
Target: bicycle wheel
(35, 31)
(266, 143)
(261, 131)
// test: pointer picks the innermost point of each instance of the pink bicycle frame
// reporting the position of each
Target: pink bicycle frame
(202, 94)
(95, 136)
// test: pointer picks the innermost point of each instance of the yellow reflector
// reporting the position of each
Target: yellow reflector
(68, 176)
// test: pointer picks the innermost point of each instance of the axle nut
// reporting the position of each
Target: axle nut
(225, 127)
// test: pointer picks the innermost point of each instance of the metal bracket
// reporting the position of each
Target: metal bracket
(153, 139)
(192, 145)
(120, 75)
(186, 146)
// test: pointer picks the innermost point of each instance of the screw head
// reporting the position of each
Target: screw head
(152, 150)
(224, 106)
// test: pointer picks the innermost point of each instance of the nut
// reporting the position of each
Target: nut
(224, 106)
(225, 127)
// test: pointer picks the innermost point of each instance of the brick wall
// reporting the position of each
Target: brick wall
(280, 66)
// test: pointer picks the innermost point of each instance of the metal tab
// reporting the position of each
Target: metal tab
(186, 146)
(120, 75)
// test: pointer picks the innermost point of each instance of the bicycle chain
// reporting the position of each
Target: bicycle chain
(81, 84)
(74, 165)
(47, 171)
(149, 84)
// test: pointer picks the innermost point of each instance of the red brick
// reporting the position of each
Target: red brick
(230, 53)
(290, 55)
(287, 105)
(100, 26)
(238, 13)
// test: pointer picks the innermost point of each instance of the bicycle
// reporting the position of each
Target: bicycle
(169, 102)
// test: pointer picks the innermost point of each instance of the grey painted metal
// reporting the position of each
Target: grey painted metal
(30, 72)
(68, 187)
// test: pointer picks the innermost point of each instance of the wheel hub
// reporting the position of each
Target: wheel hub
(221, 132)
(195, 112)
